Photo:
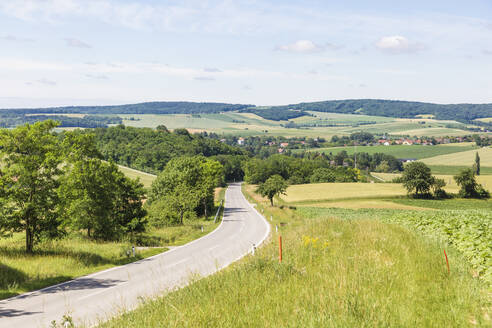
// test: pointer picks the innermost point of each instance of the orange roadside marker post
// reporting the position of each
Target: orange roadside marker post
(280, 249)
(447, 262)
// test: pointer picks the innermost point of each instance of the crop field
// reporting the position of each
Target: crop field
(329, 191)
(453, 170)
(341, 268)
(466, 158)
(250, 124)
(451, 186)
(400, 151)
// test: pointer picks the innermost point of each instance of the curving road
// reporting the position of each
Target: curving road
(100, 295)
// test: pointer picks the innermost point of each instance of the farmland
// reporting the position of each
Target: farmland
(401, 151)
(465, 158)
(342, 267)
(329, 191)
(318, 125)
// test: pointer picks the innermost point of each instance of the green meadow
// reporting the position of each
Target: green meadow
(343, 268)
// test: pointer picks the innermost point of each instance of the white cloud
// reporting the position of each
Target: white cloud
(45, 81)
(398, 44)
(211, 70)
(97, 76)
(204, 78)
(11, 37)
(301, 46)
(487, 52)
(76, 43)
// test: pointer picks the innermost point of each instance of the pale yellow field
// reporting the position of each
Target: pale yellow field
(451, 186)
(458, 144)
(328, 191)
(145, 178)
(486, 119)
(358, 204)
(466, 158)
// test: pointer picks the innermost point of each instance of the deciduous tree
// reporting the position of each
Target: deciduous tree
(30, 164)
(275, 185)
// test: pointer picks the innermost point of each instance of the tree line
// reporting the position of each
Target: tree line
(9, 119)
(392, 108)
(54, 184)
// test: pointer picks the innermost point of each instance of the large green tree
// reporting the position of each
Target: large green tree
(30, 158)
(273, 186)
(175, 193)
(417, 179)
(98, 198)
(212, 176)
(469, 187)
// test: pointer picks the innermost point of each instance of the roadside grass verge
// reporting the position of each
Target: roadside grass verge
(56, 261)
(337, 271)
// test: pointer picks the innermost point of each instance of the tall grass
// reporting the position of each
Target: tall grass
(335, 273)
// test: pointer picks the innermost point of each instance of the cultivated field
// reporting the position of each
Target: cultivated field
(399, 151)
(466, 158)
(451, 186)
(313, 126)
(331, 191)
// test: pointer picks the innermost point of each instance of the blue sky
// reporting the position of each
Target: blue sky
(70, 52)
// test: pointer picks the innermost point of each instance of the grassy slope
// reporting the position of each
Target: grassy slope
(145, 178)
(336, 273)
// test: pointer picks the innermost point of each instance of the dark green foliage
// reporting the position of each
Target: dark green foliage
(322, 175)
(158, 107)
(50, 182)
(362, 137)
(275, 114)
(31, 159)
(417, 179)
(391, 108)
(98, 198)
(9, 119)
(469, 188)
(149, 150)
(185, 189)
(295, 170)
(476, 166)
(273, 186)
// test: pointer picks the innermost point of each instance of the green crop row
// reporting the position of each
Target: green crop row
(468, 231)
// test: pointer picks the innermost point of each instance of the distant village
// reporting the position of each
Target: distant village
(283, 144)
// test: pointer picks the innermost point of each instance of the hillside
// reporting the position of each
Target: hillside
(394, 108)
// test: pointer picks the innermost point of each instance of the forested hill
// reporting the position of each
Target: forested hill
(158, 107)
(394, 108)
(149, 150)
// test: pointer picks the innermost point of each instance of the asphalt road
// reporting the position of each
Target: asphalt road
(96, 297)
